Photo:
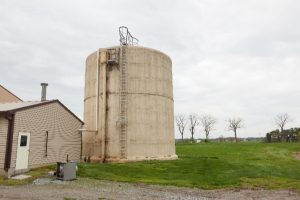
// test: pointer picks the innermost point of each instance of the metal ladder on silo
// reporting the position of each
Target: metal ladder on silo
(123, 102)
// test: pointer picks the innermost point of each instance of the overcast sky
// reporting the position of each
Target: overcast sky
(231, 58)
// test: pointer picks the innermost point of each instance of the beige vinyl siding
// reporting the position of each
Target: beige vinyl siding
(63, 139)
(3, 137)
(6, 96)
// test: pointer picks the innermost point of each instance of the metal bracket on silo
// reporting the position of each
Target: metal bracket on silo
(113, 57)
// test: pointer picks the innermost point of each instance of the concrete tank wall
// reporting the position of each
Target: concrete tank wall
(149, 107)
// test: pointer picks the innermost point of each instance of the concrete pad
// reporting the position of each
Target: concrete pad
(20, 177)
(41, 181)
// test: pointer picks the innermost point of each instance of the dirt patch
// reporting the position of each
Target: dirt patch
(95, 189)
(296, 155)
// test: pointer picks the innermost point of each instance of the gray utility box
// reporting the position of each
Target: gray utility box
(66, 171)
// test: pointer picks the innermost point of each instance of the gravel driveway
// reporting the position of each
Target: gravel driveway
(95, 189)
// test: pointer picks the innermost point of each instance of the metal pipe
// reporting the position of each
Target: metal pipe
(80, 132)
(9, 140)
(103, 116)
(97, 92)
(46, 153)
(44, 91)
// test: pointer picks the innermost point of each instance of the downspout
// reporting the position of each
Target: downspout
(80, 145)
(9, 141)
(81, 130)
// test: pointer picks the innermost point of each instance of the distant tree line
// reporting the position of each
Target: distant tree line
(206, 122)
(289, 135)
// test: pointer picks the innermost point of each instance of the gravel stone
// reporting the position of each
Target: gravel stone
(84, 188)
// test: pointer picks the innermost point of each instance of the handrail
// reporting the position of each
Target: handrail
(126, 38)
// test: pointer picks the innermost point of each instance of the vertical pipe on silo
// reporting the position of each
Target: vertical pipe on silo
(103, 59)
(97, 92)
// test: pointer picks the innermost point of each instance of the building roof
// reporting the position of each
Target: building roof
(16, 105)
(7, 92)
(13, 107)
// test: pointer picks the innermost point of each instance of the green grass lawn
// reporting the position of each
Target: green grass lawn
(211, 166)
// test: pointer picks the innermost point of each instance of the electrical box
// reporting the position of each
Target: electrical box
(66, 171)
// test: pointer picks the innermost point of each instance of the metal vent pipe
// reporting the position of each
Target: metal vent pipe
(44, 91)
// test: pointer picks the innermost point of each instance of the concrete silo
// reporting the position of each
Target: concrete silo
(128, 105)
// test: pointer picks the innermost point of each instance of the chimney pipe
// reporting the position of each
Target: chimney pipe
(44, 91)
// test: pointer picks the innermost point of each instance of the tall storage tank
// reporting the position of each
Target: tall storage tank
(128, 105)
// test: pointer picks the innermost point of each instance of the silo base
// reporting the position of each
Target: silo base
(96, 159)
(136, 159)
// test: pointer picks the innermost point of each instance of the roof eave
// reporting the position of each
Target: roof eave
(41, 104)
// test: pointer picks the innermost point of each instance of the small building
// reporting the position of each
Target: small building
(34, 134)
(7, 96)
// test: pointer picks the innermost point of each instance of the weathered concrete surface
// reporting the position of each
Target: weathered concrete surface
(150, 115)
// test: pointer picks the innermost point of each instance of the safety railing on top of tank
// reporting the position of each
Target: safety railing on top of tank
(126, 38)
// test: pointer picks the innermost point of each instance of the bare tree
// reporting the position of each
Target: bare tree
(281, 120)
(181, 124)
(207, 122)
(194, 121)
(234, 124)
